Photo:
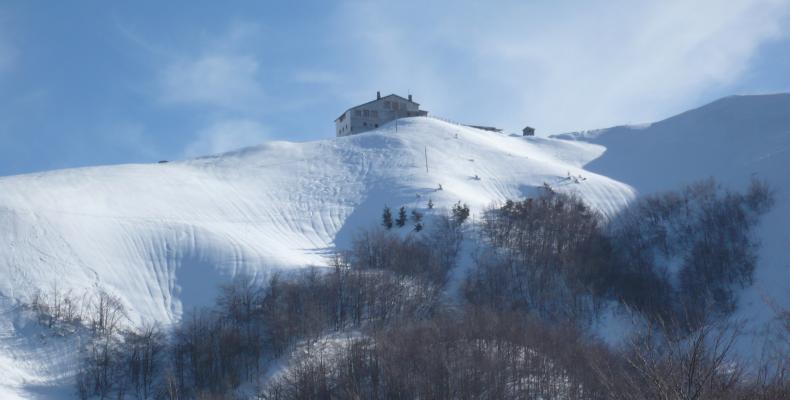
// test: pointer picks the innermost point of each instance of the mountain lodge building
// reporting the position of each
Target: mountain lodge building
(375, 113)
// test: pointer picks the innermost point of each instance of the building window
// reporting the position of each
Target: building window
(374, 113)
(367, 113)
(387, 104)
(395, 106)
(357, 113)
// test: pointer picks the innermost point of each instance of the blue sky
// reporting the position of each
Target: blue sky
(98, 82)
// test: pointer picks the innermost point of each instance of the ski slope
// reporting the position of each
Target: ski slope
(733, 139)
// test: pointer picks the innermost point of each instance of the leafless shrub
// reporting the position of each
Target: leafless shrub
(57, 309)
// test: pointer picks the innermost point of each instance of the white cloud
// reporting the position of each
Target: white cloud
(559, 66)
(225, 81)
(221, 76)
(316, 76)
(226, 135)
(222, 72)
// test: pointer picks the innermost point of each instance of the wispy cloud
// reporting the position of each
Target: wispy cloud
(226, 81)
(316, 76)
(560, 67)
(226, 135)
(220, 77)
(219, 71)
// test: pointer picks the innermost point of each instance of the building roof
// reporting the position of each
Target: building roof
(375, 100)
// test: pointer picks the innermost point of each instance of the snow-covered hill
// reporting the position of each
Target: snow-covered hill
(733, 140)
(162, 236)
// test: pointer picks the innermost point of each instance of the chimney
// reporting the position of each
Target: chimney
(378, 95)
(409, 97)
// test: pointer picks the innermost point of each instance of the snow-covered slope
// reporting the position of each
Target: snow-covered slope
(732, 139)
(161, 236)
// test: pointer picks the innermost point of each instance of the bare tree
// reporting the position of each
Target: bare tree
(663, 362)
(142, 351)
(105, 313)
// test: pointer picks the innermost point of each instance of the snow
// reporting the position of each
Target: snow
(34, 362)
(161, 236)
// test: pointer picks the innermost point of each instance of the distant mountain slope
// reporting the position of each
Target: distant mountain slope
(732, 139)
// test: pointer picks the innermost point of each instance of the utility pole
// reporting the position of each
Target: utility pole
(426, 159)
